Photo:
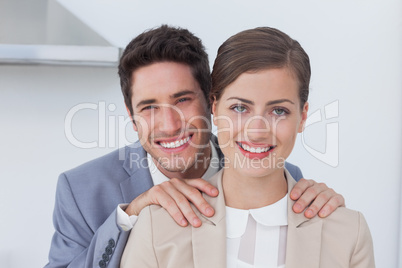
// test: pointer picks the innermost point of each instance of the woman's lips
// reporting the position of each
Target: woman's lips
(254, 150)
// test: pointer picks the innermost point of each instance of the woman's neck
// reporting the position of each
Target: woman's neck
(244, 192)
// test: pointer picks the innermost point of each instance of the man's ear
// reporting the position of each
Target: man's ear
(132, 120)
(303, 117)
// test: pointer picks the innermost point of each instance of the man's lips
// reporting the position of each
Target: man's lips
(173, 143)
(255, 150)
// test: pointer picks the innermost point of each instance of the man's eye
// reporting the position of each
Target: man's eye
(239, 108)
(148, 107)
(182, 100)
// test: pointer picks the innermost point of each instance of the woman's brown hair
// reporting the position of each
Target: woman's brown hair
(258, 49)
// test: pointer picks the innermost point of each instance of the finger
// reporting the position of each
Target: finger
(308, 196)
(181, 202)
(203, 186)
(301, 186)
(319, 202)
(193, 194)
(164, 199)
(336, 201)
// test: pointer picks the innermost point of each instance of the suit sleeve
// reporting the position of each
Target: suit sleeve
(139, 251)
(363, 255)
(75, 243)
(294, 171)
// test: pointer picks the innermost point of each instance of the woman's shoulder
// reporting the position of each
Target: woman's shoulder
(344, 217)
(344, 223)
(347, 227)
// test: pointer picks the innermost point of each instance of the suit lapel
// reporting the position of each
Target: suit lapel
(209, 241)
(303, 247)
(136, 166)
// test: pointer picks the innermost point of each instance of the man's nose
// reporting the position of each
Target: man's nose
(170, 120)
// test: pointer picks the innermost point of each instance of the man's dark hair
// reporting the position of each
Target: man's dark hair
(164, 44)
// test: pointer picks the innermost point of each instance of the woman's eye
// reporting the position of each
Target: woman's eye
(239, 108)
(279, 111)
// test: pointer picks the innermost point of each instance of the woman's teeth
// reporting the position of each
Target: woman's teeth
(255, 149)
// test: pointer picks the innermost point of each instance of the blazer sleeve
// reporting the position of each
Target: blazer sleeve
(75, 243)
(139, 251)
(363, 255)
(294, 171)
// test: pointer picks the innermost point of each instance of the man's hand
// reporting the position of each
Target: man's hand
(175, 196)
(317, 197)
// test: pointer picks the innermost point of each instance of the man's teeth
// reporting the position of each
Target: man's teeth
(255, 149)
(174, 144)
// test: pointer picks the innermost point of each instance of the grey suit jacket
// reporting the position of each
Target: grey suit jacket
(340, 240)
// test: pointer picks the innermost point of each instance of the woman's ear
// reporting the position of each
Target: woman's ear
(303, 117)
(214, 103)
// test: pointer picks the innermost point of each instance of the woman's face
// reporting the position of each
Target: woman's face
(258, 117)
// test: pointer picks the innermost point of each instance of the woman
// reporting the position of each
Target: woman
(260, 86)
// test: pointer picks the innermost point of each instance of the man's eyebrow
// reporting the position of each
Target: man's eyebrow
(267, 104)
(173, 96)
(145, 102)
(181, 93)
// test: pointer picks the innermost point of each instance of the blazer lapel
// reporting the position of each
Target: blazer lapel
(303, 247)
(139, 179)
(209, 241)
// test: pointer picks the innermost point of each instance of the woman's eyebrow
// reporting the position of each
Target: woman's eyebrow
(279, 101)
(242, 100)
(267, 104)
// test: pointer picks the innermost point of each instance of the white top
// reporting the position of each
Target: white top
(127, 222)
(257, 237)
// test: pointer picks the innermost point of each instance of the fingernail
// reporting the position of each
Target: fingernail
(196, 221)
(309, 213)
(214, 191)
(183, 222)
(209, 212)
(323, 213)
(297, 207)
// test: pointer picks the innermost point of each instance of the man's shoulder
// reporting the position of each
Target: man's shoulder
(109, 165)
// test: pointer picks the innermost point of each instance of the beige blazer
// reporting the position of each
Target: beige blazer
(340, 240)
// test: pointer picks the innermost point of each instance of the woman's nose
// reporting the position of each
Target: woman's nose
(257, 128)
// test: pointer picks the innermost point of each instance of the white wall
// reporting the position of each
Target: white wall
(355, 50)
(34, 101)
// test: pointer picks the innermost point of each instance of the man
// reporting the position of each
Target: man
(165, 80)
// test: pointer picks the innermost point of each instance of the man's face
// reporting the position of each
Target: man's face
(171, 117)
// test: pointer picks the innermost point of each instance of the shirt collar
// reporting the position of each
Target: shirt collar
(272, 215)
(158, 177)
